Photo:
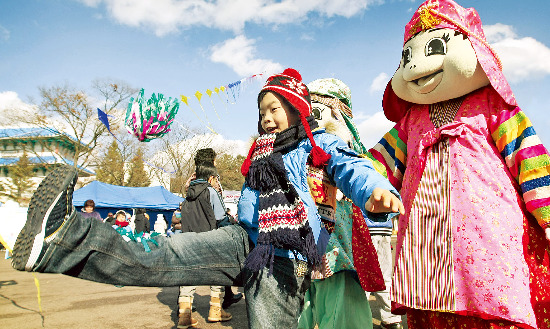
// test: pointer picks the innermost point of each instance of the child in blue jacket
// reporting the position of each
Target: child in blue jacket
(272, 250)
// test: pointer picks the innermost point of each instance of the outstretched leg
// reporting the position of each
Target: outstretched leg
(55, 239)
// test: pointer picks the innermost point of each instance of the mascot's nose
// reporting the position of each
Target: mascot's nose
(412, 67)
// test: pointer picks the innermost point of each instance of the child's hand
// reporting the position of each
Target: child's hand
(384, 201)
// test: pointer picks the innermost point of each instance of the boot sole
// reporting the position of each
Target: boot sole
(220, 319)
(30, 240)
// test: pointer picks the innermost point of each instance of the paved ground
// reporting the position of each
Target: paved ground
(73, 303)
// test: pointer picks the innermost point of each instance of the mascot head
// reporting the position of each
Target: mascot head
(331, 106)
(445, 56)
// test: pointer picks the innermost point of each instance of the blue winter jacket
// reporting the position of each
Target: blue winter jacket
(353, 175)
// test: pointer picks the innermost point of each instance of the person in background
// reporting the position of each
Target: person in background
(200, 212)
(160, 224)
(176, 220)
(381, 232)
(207, 157)
(141, 221)
(110, 219)
(88, 211)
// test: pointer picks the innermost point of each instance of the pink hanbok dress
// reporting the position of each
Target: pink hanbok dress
(475, 180)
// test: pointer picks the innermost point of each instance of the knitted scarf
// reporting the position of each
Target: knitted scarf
(282, 221)
(121, 223)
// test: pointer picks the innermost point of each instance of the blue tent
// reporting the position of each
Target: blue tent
(111, 198)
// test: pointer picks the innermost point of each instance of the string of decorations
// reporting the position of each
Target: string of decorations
(151, 118)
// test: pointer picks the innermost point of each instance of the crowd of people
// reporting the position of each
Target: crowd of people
(138, 223)
(462, 169)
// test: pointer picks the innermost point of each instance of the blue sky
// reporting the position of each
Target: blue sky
(168, 47)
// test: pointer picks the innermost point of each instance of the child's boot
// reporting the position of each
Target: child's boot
(185, 320)
(216, 313)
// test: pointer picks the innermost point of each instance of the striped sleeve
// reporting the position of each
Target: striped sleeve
(527, 159)
(390, 155)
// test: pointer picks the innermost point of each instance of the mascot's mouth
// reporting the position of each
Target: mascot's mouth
(427, 83)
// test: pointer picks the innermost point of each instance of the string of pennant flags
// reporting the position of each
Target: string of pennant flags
(151, 118)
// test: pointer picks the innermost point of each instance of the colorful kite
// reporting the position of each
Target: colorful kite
(150, 119)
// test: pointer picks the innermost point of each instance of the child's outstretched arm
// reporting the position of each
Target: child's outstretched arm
(384, 201)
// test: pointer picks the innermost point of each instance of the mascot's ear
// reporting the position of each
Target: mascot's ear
(394, 107)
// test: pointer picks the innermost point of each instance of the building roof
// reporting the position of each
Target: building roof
(33, 132)
(45, 159)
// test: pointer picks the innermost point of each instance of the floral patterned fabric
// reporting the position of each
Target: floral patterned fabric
(436, 320)
(500, 255)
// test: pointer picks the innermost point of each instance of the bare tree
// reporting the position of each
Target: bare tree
(229, 169)
(74, 112)
(172, 163)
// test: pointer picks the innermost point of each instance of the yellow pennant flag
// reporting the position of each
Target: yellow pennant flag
(209, 93)
(184, 99)
(217, 90)
(198, 95)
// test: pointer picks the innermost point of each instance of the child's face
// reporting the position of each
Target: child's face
(275, 114)
(121, 218)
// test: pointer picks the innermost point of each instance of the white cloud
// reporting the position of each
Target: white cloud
(372, 127)
(230, 146)
(10, 103)
(170, 16)
(498, 32)
(12, 107)
(522, 58)
(239, 54)
(379, 83)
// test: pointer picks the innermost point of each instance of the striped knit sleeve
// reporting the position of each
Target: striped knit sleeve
(527, 159)
(390, 155)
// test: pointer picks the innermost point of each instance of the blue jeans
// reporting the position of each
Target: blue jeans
(92, 250)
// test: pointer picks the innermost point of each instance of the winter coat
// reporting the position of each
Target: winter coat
(93, 214)
(142, 223)
(354, 176)
(201, 209)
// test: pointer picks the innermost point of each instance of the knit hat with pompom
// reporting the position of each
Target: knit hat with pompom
(289, 85)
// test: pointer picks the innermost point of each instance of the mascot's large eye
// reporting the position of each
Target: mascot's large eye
(406, 55)
(436, 46)
(317, 112)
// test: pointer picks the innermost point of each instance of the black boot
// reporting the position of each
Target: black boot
(230, 298)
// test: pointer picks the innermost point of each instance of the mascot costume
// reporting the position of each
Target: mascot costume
(474, 178)
(349, 266)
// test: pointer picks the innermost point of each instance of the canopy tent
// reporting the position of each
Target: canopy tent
(110, 198)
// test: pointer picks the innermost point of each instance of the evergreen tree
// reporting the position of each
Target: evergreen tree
(21, 179)
(138, 177)
(111, 167)
(229, 169)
